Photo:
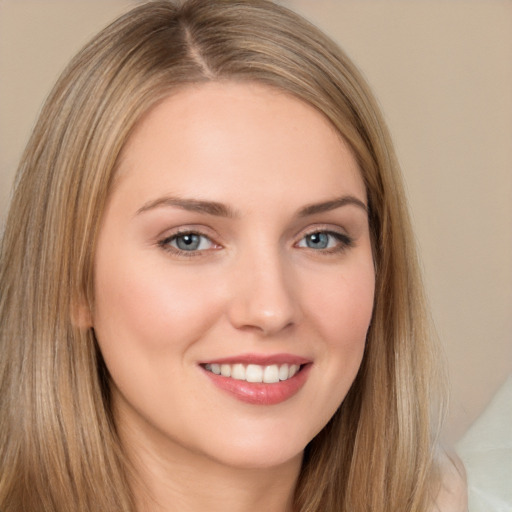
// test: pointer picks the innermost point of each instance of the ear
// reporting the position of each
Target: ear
(81, 316)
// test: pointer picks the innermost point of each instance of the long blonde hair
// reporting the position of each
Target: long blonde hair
(58, 445)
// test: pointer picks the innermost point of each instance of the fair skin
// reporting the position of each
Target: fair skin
(236, 235)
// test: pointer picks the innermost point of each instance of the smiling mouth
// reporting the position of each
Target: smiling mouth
(259, 379)
(268, 374)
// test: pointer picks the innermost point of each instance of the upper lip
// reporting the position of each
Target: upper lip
(260, 359)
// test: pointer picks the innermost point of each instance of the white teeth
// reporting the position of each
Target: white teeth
(271, 374)
(294, 368)
(255, 372)
(283, 372)
(238, 372)
(225, 370)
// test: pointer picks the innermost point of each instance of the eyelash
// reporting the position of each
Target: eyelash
(166, 243)
(344, 242)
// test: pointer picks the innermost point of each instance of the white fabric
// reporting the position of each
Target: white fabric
(486, 450)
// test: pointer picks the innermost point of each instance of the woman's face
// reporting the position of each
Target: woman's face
(235, 240)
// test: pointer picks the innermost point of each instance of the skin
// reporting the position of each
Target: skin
(255, 285)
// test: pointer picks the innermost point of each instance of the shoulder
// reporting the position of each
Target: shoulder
(452, 494)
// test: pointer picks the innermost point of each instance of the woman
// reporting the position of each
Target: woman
(210, 296)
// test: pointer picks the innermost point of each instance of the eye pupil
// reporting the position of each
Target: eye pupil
(188, 242)
(317, 240)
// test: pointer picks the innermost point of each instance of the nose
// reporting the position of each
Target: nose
(264, 297)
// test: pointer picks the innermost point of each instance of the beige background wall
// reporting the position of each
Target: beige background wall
(442, 71)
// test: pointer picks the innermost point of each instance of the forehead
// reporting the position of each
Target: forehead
(213, 135)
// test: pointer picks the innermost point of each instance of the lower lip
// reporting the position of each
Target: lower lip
(260, 393)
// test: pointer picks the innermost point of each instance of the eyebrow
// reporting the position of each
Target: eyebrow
(192, 205)
(332, 205)
(222, 210)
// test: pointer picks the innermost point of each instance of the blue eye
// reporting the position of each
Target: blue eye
(318, 240)
(187, 242)
(325, 240)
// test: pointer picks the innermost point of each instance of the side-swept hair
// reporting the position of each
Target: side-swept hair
(59, 450)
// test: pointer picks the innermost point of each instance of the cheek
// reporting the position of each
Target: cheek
(147, 306)
(343, 309)
(340, 311)
(342, 314)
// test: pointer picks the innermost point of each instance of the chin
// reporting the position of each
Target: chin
(259, 449)
(254, 458)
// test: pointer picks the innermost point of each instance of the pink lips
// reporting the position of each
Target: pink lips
(260, 393)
